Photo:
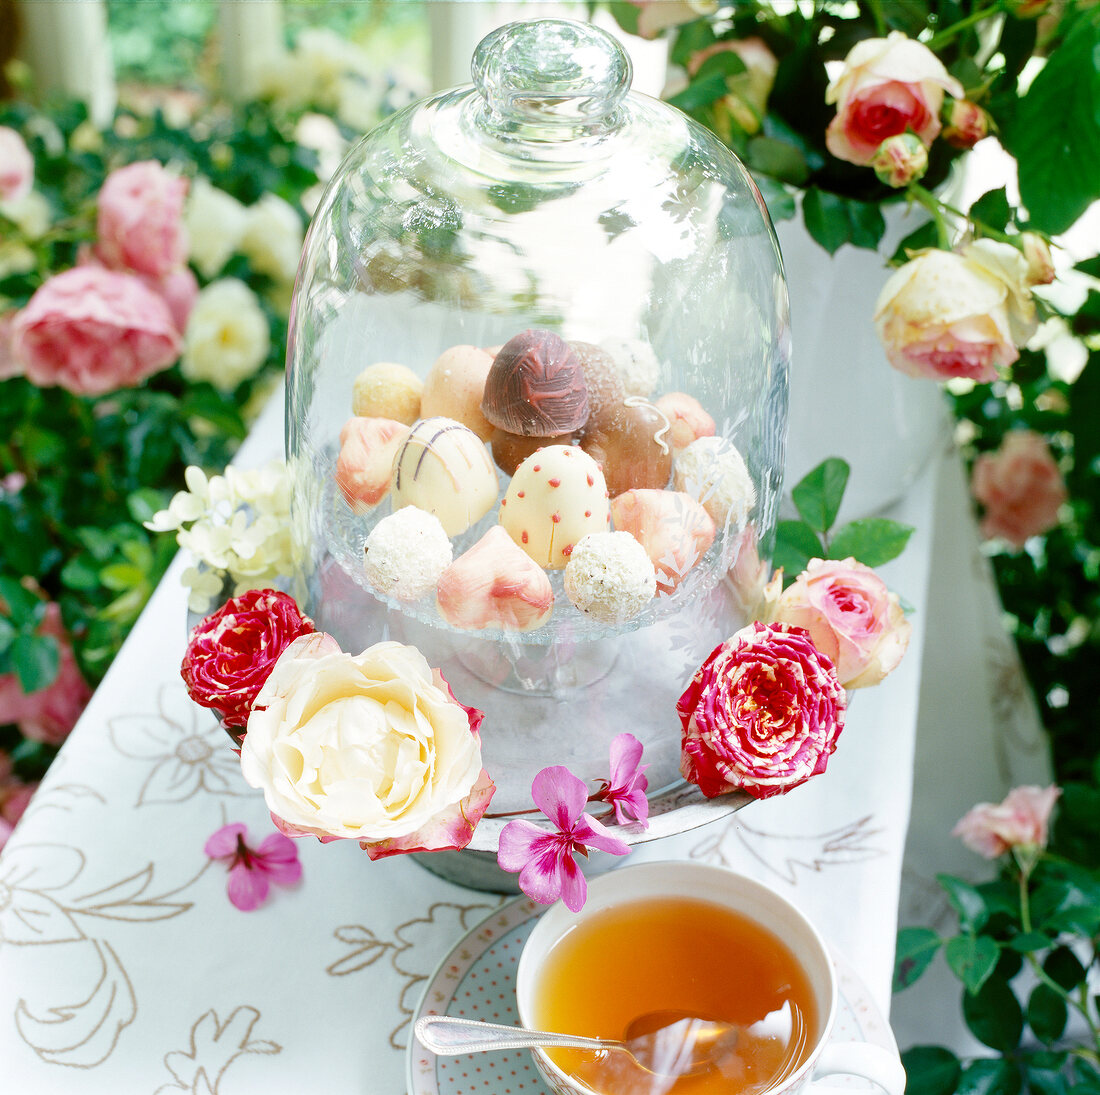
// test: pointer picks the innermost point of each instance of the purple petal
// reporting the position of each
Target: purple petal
(591, 833)
(574, 886)
(544, 875)
(560, 795)
(626, 751)
(278, 857)
(247, 888)
(517, 844)
(224, 841)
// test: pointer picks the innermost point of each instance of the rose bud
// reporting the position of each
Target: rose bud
(230, 653)
(900, 160)
(1040, 264)
(964, 123)
(1028, 9)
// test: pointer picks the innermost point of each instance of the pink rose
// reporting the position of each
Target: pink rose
(853, 619)
(655, 16)
(15, 797)
(887, 86)
(179, 290)
(50, 713)
(1020, 821)
(9, 367)
(1020, 487)
(230, 653)
(945, 314)
(16, 166)
(140, 220)
(92, 331)
(761, 715)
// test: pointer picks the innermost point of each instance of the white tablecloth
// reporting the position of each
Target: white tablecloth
(124, 968)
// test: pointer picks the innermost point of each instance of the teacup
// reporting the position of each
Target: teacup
(679, 891)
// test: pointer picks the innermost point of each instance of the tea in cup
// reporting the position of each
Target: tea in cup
(660, 944)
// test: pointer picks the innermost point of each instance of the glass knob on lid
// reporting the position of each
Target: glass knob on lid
(554, 74)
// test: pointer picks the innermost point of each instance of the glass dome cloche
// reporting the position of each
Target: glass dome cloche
(537, 400)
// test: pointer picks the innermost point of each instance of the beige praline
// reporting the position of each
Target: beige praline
(444, 468)
(387, 390)
(687, 418)
(557, 495)
(455, 385)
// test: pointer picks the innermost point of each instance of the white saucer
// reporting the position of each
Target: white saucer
(477, 980)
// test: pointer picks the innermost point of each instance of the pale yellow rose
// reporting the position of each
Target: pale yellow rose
(215, 223)
(272, 238)
(227, 337)
(371, 747)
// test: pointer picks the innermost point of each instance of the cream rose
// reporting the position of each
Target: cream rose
(272, 238)
(371, 747)
(887, 86)
(227, 337)
(945, 315)
(215, 223)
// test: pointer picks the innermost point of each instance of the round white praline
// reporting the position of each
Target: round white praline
(637, 364)
(406, 552)
(610, 577)
(713, 472)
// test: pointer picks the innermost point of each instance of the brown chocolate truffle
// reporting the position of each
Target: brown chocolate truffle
(536, 387)
(511, 449)
(633, 448)
(603, 380)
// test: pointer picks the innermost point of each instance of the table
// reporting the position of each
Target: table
(124, 968)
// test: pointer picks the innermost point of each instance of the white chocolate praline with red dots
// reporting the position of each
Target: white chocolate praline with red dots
(556, 496)
(387, 390)
(443, 467)
(610, 577)
(405, 554)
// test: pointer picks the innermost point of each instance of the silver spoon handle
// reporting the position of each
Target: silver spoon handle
(447, 1034)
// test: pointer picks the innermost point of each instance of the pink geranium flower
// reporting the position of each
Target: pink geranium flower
(252, 870)
(547, 869)
(626, 788)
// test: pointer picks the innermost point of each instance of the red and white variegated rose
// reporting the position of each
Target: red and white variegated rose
(230, 653)
(852, 617)
(887, 86)
(370, 747)
(761, 715)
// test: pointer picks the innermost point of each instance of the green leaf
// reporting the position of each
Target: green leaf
(795, 545)
(700, 93)
(120, 577)
(989, 1077)
(924, 237)
(35, 659)
(7, 634)
(817, 496)
(21, 602)
(930, 1070)
(992, 209)
(778, 159)
(973, 958)
(1045, 1072)
(691, 38)
(143, 503)
(1059, 164)
(994, 1016)
(1064, 968)
(779, 200)
(626, 15)
(1047, 1013)
(967, 901)
(726, 64)
(872, 541)
(1027, 942)
(916, 948)
(834, 221)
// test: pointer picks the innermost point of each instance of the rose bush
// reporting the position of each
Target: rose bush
(230, 653)
(887, 86)
(91, 331)
(47, 714)
(370, 747)
(140, 220)
(1020, 487)
(16, 166)
(853, 619)
(946, 314)
(761, 715)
